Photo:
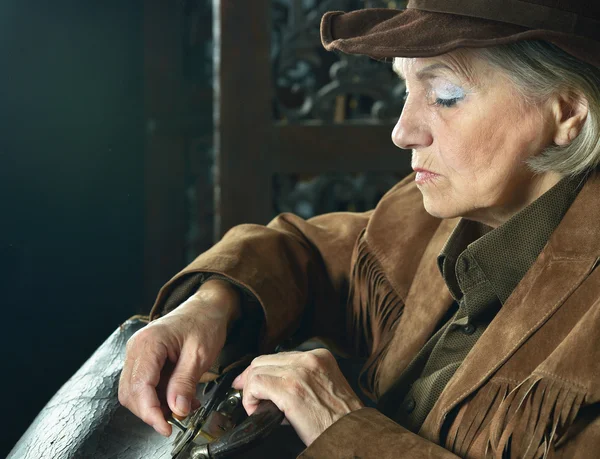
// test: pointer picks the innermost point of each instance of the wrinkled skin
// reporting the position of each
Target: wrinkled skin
(165, 360)
(465, 121)
(308, 387)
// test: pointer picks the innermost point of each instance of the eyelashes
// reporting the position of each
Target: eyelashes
(446, 95)
(447, 102)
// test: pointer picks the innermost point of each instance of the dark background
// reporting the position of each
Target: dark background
(72, 190)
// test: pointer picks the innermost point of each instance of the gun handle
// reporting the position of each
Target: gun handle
(255, 427)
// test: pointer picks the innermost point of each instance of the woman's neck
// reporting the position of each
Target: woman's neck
(521, 198)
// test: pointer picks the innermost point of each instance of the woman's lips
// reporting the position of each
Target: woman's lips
(424, 176)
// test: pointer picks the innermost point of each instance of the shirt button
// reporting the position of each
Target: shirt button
(468, 329)
(409, 405)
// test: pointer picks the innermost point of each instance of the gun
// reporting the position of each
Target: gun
(220, 428)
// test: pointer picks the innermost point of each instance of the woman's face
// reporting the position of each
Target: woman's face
(470, 132)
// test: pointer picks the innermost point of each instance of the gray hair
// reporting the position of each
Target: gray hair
(539, 70)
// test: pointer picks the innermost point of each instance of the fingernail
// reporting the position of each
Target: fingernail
(161, 431)
(236, 380)
(182, 404)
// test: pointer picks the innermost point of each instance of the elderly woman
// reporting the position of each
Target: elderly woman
(473, 289)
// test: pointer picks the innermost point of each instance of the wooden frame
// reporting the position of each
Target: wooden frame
(250, 147)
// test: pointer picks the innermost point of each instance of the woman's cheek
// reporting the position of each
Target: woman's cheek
(458, 162)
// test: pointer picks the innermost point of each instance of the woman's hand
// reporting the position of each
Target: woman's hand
(307, 386)
(165, 360)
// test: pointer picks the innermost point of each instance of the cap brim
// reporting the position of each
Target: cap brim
(387, 33)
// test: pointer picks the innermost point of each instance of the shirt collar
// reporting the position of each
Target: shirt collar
(506, 253)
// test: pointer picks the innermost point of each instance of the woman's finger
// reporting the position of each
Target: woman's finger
(281, 358)
(141, 375)
(181, 388)
(267, 383)
(150, 410)
(315, 359)
(240, 380)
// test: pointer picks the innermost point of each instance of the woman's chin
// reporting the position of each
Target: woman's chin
(438, 209)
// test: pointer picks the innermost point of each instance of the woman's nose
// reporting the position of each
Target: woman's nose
(411, 131)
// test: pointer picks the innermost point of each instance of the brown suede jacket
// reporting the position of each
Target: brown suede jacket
(369, 284)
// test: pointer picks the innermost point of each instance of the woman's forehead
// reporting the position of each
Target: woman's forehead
(463, 63)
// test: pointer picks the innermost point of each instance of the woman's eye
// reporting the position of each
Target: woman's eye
(447, 102)
(445, 95)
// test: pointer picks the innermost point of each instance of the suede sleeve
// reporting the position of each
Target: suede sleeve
(297, 269)
(366, 433)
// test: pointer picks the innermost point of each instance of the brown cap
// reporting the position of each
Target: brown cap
(433, 27)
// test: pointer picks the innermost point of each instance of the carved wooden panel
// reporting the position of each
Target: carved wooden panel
(284, 106)
(247, 115)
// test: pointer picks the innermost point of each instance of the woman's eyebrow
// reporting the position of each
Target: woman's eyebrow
(426, 72)
(422, 74)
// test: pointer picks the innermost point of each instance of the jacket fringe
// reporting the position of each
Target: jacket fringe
(376, 309)
(477, 416)
(525, 422)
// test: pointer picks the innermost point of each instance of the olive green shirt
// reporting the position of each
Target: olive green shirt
(481, 267)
